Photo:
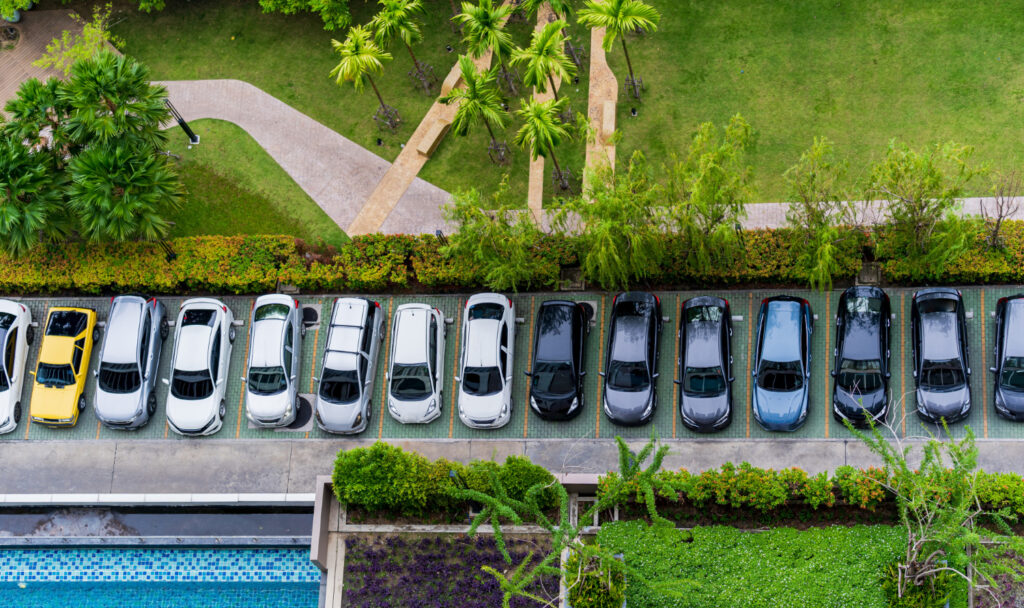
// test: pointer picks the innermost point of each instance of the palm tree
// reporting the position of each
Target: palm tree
(561, 8)
(545, 58)
(619, 17)
(30, 198)
(38, 116)
(397, 19)
(542, 131)
(113, 101)
(478, 101)
(484, 27)
(360, 59)
(120, 193)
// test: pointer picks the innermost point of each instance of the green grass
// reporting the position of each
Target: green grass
(860, 72)
(235, 187)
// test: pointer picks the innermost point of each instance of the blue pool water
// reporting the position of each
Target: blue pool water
(159, 595)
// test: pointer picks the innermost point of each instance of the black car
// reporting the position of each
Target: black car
(705, 364)
(860, 391)
(782, 363)
(941, 370)
(632, 360)
(1009, 368)
(556, 392)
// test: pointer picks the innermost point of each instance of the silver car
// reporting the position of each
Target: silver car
(129, 359)
(415, 375)
(345, 391)
(275, 352)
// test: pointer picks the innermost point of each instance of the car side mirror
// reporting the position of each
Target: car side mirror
(508, 378)
(992, 369)
(914, 373)
(968, 371)
(583, 372)
(457, 379)
(165, 380)
(655, 375)
(753, 373)
(315, 379)
(888, 375)
(732, 378)
(32, 372)
(95, 372)
(243, 379)
(832, 373)
(677, 381)
(527, 373)
(600, 374)
(293, 378)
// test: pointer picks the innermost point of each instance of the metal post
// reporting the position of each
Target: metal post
(192, 137)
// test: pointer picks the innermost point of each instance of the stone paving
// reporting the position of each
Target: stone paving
(604, 94)
(36, 29)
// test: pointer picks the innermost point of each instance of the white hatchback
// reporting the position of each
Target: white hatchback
(16, 335)
(275, 352)
(345, 392)
(416, 365)
(485, 378)
(203, 334)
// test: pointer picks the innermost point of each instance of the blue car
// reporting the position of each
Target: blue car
(782, 363)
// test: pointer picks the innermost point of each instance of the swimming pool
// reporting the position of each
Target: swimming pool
(158, 578)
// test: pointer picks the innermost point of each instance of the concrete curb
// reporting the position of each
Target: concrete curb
(198, 499)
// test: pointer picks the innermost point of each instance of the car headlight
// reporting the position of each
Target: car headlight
(359, 419)
(504, 411)
(999, 401)
(575, 404)
(649, 408)
(287, 411)
(394, 406)
(533, 403)
(966, 406)
(431, 406)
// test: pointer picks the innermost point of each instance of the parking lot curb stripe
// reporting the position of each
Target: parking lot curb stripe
(828, 335)
(903, 364)
(984, 376)
(383, 382)
(600, 383)
(245, 360)
(98, 429)
(529, 379)
(675, 370)
(747, 379)
(316, 338)
(455, 368)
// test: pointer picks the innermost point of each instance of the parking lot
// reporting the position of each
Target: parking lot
(591, 423)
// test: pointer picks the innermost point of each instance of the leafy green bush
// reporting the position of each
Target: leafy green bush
(976, 263)
(591, 585)
(932, 594)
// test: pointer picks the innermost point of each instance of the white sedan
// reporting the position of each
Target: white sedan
(485, 379)
(16, 335)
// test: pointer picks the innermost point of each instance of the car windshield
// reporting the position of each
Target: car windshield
(49, 374)
(941, 375)
(861, 305)
(703, 313)
(553, 378)
(67, 323)
(267, 380)
(339, 386)
(780, 376)
(628, 376)
(481, 381)
(860, 376)
(703, 381)
(486, 311)
(1013, 374)
(270, 312)
(119, 377)
(410, 382)
(191, 385)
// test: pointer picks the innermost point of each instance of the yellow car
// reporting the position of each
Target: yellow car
(58, 395)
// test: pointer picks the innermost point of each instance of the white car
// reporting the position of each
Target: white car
(485, 378)
(345, 392)
(416, 365)
(16, 335)
(275, 352)
(203, 334)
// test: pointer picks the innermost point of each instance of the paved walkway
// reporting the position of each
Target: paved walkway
(604, 94)
(37, 29)
(773, 215)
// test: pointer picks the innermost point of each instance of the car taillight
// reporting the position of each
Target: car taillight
(111, 299)
(726, 301)
(1000, 301)
(509, 300)
(296, 303)
(226, 308)
(657, 299)
(764, 301)
(377, 304)
(805, 301)
(23, 309)
(615, 299)
(958, 293)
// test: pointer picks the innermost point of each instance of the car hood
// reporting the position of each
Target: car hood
(705, 411)
(627, 406)
(339, 417)
(475, 407)
(854, 405)
(117, 407)
(412, 410)
(780, 411)
(945, 404)
(267, 406)
(190, 416)
(53, 402)
(1011, 400)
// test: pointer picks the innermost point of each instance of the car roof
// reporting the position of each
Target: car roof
(411, 336)
(267, 343)
(938, 336)
(782, 331)
(554, 331)
(482, 343)
(193, 347)
(629, 343)
(349, 311)
(121, 339)
(1014, 325)
(56, 349)
(703, 347)
(862, 331)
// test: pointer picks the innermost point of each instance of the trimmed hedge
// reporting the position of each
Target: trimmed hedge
(979, 264)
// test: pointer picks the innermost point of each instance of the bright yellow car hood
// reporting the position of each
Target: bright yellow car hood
(53, 402)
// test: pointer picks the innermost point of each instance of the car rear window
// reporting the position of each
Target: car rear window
(68, 323)
(271, 311)
(486, 311)
(199, 317)
(861, 305)
(711, 314)
(937, 305)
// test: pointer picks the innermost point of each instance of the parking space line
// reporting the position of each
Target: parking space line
(316, 338)
(455, 370)
(384, 382)
(98, 424)
(903, 363)
(42, 326)
(750, 329)
(245, 361)
(675, 370)
(828, 335)
(984, 375)
(600, 383)
(529, 379)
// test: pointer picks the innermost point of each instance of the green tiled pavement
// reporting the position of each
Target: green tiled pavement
(980, 304)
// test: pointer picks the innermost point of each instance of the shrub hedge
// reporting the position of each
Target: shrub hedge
(979, 263)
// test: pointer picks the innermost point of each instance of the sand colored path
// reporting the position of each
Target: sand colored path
(604, 94)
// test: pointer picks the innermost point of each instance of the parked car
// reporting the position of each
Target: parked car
(416, 373)
(941, 363)
(485, 368)
(860, 391)
(345, 393)
(782, 363)
(203, 334)
(58, 396)
(556, 388)
(1009, 361)
(705, 364)
(631, 364)
(130, 362)
(16, 336)
(275, 356)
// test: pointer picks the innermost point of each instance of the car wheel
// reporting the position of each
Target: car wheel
(231, 334)
(81, 403)
(164, 329)
(95, 334)
(30, 335)
(223, 410)
(17, 413)
(151, 404)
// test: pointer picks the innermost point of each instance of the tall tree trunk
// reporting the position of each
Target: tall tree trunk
(374, 85)
(455, 11)
(554, 89)
(628, 62)
(489, 131)
(415, 62)
(555, 161)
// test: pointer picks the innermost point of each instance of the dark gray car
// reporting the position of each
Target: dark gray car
(705, 364)
(632, 360)
(941, 369)
(1009, 352)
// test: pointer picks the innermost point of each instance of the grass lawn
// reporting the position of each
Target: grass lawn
(234, 187)
(860, 72)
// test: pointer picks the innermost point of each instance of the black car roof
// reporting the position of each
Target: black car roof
(554, 331)
(862, 336)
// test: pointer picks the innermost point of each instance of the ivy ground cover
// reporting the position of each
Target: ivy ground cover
(719, 566)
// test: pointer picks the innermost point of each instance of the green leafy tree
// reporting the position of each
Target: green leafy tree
(707, 192)
(483, 27)
(8, 7)
(31, 204)
(478, 100)
(542, 131)
(335, 13)
(921, 192)
(618, 223)
(619, 17)
(545, 58)
(61, 53)
(38, 116)
(121, 193)
(561, 8)
(361, 58)
(397, 19)
(819, 205)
